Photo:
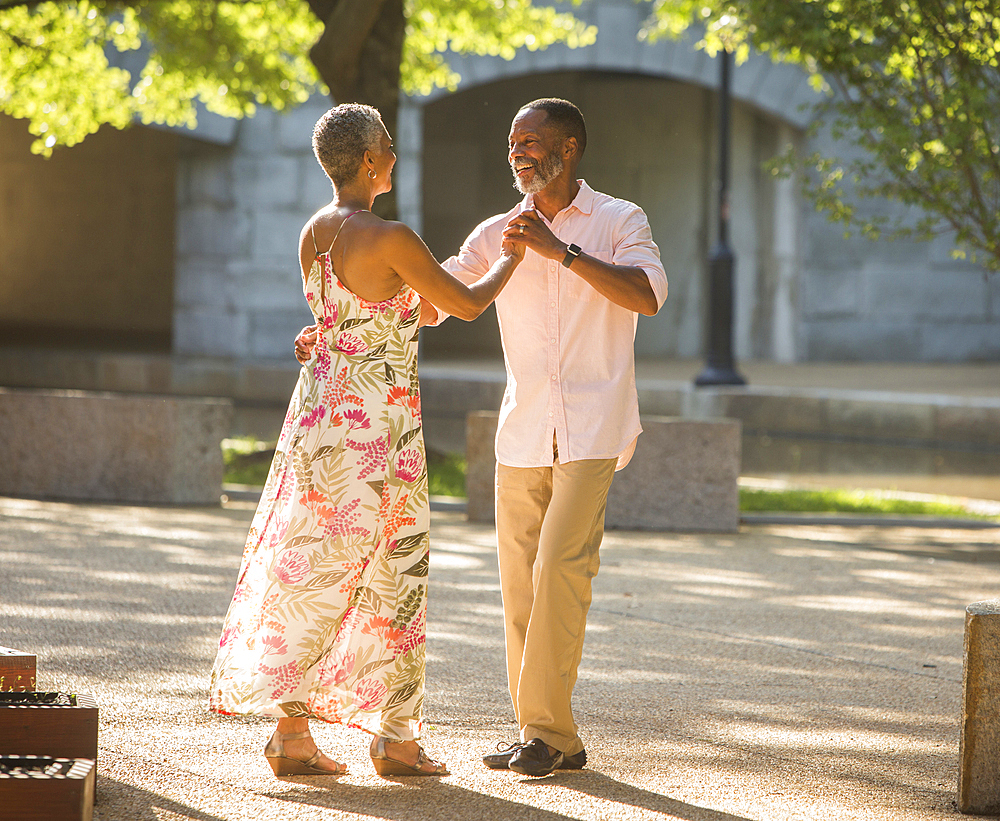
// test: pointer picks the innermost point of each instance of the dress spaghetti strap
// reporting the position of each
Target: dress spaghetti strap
(322, 280)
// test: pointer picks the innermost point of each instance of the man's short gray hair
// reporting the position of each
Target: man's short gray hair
(342, 136)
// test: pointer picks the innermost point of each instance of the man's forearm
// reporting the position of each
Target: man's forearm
(625, 285)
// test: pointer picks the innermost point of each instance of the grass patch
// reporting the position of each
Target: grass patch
(248, 460)
(446, 473)
(754, 500)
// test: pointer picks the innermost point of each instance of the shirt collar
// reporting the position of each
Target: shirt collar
(582, 202)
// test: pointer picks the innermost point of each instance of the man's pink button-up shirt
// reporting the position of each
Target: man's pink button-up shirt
(569, 351)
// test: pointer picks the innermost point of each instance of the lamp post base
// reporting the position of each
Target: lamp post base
(718, 375)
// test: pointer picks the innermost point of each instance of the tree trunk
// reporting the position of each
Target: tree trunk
(358, 57)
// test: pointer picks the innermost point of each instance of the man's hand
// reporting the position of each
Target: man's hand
(527, 230)
(305, 342)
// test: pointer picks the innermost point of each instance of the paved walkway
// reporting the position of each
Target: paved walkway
(778, 674)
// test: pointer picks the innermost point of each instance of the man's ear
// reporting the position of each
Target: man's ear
(571, 148)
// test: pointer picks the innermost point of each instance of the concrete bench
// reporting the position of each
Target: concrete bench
(979, 746)
(683, 476)
(112, 447)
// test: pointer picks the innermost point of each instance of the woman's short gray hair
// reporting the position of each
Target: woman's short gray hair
(341, 138)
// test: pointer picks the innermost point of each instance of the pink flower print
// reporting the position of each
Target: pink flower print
(350, 344)
(313, 416)
(369, 693)
(292, 567)
(416, 634)
(375, 455)
(357, 419)
(274, 644)
(277, 533)
(409, 465)
(337, 668)
(321, 358)
(227, 636)
(341, 520)
(286, 677)
(328, 321)
(352, 618)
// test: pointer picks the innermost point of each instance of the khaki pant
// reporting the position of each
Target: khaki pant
(550, 522)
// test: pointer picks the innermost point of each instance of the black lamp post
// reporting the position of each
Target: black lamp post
(719, 365)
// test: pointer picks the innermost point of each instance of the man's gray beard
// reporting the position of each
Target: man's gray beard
(548, 169)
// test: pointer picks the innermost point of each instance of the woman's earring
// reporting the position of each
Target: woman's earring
(371, 173)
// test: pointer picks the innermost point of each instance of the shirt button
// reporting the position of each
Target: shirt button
(552, 341)
(550, 413)
(553, 377)
(552, 305)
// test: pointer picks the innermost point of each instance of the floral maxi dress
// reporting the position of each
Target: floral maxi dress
(329, 615)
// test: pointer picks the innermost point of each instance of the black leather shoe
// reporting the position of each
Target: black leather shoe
(501, 758)
(534, 759)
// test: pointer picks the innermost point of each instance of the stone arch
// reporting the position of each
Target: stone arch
(772, 105)
(780, 90)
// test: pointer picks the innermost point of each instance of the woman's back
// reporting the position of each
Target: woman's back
(359, 250)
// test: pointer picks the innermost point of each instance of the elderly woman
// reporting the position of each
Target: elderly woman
(328, 617)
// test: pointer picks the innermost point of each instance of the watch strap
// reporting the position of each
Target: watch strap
(571, 253)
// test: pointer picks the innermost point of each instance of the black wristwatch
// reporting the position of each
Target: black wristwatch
(571, 253)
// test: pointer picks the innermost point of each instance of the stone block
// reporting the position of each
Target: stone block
(972, 422)
(271, 182)
(960, 341)
(979, 744)
(617, 45)
(276, 236)
(861, 340)
(880, 417)
(927, 294)
(112, 447)
(682, 477)
(18, 671)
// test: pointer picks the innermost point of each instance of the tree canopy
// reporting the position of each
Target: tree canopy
(915, 84)
(70, 67)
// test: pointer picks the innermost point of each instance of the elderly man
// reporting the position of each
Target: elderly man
(569, 416)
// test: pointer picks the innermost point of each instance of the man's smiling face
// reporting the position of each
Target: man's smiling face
(535, 152)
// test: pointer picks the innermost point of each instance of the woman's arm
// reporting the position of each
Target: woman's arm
(410, 258)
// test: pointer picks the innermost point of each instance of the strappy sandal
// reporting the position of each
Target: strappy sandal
(390, 766)
(283, 764)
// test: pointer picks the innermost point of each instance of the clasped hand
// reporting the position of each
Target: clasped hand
(528, 230)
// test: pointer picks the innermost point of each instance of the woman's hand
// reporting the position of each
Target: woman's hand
(527, 230)
(305, 342)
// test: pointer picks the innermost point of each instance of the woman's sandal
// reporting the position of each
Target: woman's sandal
(390, 766)
(282, 764)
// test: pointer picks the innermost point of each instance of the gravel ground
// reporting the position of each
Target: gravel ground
(786, 672)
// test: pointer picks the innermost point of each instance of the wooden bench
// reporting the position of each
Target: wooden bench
(116, 447)
(683, 476)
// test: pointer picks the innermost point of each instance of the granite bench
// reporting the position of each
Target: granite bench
(83, 445)
(979, 743)
(683, 476)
